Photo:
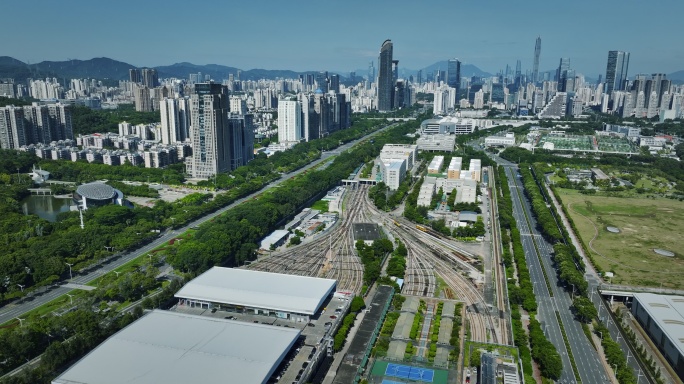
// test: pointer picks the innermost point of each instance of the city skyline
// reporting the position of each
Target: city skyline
(274, 37)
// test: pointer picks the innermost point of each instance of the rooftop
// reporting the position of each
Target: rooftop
(96, 191)
(173, 348)
(256, 289)
(668, 313)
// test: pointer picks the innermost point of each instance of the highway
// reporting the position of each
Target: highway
(19, 308)
(536, 249)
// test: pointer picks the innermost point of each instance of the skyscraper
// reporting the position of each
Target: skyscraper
(149, 77)
(535, 66)
(12, 130)
(322, 81)
(212, 136)
(134, 75)
(385, 77)
(616, 71)
(334, 83)
(289, 121)
(562, 73)
(454, 75)
(175, 120)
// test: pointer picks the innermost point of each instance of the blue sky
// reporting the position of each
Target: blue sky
(343, 35)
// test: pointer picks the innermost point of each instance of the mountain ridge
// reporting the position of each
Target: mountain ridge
(107, 68)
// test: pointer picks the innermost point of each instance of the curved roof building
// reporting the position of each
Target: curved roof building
(97, 194)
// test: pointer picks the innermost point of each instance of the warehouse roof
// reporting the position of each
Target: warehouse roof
(256, 289)
(668, 313)
(170, 347)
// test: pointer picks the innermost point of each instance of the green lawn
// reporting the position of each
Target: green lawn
(321, 205)
(644, 223)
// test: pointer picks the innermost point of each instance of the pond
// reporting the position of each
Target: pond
(45, 207)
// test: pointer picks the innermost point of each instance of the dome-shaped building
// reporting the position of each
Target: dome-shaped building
(97, 194)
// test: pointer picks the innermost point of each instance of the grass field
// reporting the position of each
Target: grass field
(321, 205)
(644, 224)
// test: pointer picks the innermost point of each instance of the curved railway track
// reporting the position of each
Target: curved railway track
(330, 255)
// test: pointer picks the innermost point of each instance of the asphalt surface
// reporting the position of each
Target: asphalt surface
(586, 358)
(18, 308)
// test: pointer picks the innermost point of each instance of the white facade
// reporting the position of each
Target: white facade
(393, 173)
(175, 120)
(427, 190)
(289, 121)
(405, 152)
(436, 164)
(500, 141)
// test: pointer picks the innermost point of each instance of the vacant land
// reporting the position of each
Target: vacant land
(644, 224)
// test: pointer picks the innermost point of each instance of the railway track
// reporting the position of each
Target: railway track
(330, 255)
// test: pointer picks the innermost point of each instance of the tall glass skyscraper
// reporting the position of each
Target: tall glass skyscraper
(385, 77)
(616, 71)
(535, 67)
(454, 75)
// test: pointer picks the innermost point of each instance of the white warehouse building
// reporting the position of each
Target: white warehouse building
(291, 297)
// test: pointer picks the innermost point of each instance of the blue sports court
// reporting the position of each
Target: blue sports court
(411, 373)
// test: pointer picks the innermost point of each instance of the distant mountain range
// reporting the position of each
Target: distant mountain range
(105, 68)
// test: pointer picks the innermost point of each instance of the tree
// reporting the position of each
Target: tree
(296, 240)
(584, 309)
(357, 304)
(475, 358)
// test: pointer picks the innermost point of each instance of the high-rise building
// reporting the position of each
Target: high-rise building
(334, 82)
(37, 124)
(385, 77)
(143, 99)
(61, 121)
(134, 75)
(12, 129)
(211, 139)
(419, 77)
(322, 81)
(371, 72)
(535, 66)
(289, 121)
(175, 120)
(562, 73)
(454, 75)
(616, 71)
(238, 105)
(149, 77)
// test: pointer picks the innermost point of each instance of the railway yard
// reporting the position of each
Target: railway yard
(431, 257)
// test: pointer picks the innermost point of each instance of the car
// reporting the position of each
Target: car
(333, 317)
(311, 325)
(213, 310)
(255, 321)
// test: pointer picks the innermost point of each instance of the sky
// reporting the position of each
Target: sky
(345, 35)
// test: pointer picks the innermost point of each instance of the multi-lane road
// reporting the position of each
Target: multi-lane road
(538, 256)
(19, 308)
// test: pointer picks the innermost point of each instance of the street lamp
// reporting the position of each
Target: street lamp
(71, 277)
(117, 273)
(71, 298)
(21, 321)
(615, 370)
(21, 287)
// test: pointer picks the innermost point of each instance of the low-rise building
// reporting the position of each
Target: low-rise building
(287, 297)
(442, 143)
(436, 164)
(507, 140)
(454, 170)
(427, 191)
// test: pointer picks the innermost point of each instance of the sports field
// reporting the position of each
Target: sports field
(644, 224)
